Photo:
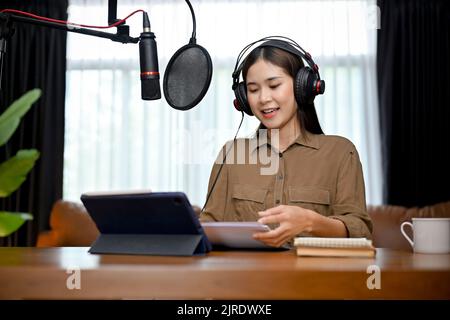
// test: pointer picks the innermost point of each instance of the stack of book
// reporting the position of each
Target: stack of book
(334, 247)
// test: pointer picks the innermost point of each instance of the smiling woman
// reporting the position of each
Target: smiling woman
(269, 87)
(318, 187)
(276, 78)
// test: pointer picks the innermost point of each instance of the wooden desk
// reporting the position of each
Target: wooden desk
(40, 273)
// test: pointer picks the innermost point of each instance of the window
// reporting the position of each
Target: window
(116, 141)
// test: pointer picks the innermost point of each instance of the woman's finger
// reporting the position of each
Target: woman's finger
(272, 234)
(271, 211)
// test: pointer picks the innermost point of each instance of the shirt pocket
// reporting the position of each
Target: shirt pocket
(310, 198)
(248, 200)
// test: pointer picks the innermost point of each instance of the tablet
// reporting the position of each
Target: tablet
(235, 234)
(160, 223)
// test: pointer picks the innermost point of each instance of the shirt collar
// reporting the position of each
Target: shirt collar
(310, 140)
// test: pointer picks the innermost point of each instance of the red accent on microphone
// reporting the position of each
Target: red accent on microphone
(150, 73)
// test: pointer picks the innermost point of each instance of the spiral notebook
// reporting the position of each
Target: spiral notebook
(334, 247)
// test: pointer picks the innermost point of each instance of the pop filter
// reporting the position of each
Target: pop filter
(188, 74)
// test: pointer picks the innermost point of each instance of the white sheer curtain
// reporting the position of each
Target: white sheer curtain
(116, 141)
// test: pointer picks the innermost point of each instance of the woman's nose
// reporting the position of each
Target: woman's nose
(265, 96)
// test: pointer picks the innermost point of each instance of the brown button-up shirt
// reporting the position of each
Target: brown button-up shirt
(322, 173)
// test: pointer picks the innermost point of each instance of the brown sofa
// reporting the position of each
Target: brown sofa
(71, 225)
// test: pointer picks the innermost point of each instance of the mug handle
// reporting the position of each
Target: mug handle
(406, 223)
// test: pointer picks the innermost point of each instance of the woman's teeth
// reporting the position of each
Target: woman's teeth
(270, 110)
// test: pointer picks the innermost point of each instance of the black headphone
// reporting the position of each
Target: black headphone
(307, 83)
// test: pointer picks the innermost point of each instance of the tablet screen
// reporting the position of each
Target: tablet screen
(235, 234)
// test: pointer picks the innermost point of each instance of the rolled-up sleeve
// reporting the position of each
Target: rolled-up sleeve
(350, 204)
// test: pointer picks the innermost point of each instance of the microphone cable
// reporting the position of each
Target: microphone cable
(223, 162)
(63, 22)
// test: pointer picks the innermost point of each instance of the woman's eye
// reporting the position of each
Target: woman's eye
(252, 90)
(274, 86)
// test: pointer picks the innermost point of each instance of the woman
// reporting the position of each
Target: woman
(317, 187)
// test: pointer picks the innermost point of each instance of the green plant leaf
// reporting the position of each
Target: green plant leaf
(11, 221)
(13, 172)
(10, 119)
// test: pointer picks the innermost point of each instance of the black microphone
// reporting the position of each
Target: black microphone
(148, 57)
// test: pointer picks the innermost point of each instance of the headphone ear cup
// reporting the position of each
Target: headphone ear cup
(304, 90)
(241, 102)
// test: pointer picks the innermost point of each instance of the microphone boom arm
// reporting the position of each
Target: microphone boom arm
(122, 37)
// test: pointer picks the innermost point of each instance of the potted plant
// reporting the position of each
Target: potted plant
(14, 170)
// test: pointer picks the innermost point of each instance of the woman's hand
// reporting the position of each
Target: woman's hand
(293, 220)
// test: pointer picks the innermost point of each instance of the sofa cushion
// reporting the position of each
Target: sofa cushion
(70, 225)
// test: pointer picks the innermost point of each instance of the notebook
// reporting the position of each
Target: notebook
(334, 247)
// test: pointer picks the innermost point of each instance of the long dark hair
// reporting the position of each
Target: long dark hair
(306, 113)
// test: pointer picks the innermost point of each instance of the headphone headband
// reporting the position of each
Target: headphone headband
(280, 42)
(306, 81)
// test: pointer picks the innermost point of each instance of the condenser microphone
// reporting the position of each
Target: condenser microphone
(148, 58)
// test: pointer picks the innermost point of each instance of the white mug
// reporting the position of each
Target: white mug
(431, 235)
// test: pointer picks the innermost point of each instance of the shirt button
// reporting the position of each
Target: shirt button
(280, 177)
(277, 202)
(281, 155)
